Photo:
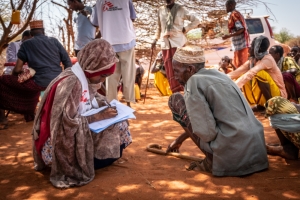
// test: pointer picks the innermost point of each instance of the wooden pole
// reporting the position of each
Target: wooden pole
(156, 148)
(148, 75)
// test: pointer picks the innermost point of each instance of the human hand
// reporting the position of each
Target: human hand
(225, 37)
(153, 45)
(174, 147)
(108, 113)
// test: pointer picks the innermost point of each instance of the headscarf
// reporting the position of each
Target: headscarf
(97, 56)
(279, 105)
(257, 43)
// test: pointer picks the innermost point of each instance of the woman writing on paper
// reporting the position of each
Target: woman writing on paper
(61, 135)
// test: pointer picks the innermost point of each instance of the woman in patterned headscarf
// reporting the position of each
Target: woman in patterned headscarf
(62, 138)
(284, 117)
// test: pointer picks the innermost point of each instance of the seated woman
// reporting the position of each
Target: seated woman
(61, 135)
(160, 79)
(290, 72)
(226, 66)
(295, 53)
(284, 117)
(259, 77)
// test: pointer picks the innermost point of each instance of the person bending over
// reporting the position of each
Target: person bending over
(228, 133)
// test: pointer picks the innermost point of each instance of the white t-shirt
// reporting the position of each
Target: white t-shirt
(113, 19)
(85, 30)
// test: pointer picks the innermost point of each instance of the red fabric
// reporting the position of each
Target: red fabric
(111, 70)
(73, 60)
(19, 97)
(237, 16)
(11, 64)
(240, 57)
(291, 85)
(45, 118)
(168, 56)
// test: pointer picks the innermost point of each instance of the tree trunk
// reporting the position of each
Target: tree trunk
(8, 36)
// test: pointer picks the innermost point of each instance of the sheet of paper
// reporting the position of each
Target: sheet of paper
(124, 112)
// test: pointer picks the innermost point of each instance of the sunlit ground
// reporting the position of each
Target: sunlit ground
(140, 174)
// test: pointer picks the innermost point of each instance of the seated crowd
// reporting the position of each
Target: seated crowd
(214, 110)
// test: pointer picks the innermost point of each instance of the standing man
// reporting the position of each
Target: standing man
(13, 47)
(228, 133)
(170, 30)
(114, 19)
(238, 33)
(85, 30)
(44, 55)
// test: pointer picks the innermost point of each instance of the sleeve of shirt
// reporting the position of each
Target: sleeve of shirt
(64, 57)
(94, 16)
(198, 109)
(192, 18)
(22, 53)
(158, 28)
(261, 65)
(11, 54)
(132, 10)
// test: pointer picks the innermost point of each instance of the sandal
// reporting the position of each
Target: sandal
(199, 166)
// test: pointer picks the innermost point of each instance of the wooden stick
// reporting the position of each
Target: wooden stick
(148, 75)
(156, 148)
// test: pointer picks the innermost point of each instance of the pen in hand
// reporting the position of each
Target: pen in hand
(109, 106)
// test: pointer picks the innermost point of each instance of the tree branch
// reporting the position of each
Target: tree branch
(12, 5)
(58, 4)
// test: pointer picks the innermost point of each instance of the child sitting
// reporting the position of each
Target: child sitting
(160, 79)
(226, 66)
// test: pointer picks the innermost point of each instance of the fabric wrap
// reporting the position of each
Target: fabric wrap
(74, 145)
(286, 122)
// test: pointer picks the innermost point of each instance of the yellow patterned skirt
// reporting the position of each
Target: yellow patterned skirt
(253, 93)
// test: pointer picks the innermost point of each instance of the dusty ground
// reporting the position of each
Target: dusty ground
(140, 174)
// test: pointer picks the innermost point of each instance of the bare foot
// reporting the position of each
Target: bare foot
(285, 152)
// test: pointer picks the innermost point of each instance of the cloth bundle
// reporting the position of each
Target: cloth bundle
(26, 74)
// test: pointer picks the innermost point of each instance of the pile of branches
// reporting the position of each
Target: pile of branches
(210, 12)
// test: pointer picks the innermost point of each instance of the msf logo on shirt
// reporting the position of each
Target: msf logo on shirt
(108, 6)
